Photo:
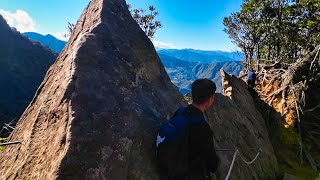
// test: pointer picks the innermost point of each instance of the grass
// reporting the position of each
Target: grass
(286, 146)
(2, 140)
(287, 150)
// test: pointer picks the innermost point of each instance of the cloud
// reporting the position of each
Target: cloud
(160, 44)
(20, 19)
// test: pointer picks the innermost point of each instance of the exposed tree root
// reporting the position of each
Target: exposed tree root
(286, 88)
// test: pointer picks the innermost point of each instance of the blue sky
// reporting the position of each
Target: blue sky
(186, 23)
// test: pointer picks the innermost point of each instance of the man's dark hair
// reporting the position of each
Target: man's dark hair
(202, 89)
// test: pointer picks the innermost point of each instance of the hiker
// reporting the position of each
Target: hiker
(185, 148)
(251, 79)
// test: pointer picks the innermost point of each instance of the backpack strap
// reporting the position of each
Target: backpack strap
(172, 142)
(177, 126)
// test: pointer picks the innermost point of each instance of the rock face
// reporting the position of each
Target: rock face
(96, 112)
(237, 124)
(23, 65)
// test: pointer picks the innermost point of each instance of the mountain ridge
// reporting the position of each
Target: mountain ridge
(203, 56)
(48, 40)
(182, 65)
(183, 73)
(23, 64)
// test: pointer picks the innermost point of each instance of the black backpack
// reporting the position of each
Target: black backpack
(172, 144)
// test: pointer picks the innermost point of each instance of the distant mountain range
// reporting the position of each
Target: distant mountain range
(191, 55)
(47, 40)
(201, 56)
(183, 73)
(183, 65)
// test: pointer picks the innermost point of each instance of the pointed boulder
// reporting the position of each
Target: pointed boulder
(237, 124)
(96, 112)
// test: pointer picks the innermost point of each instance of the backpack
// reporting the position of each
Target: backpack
(172, 144)
(251, 76)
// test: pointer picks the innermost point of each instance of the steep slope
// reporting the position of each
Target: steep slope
(48, 40)
(291, 91)
(237, 124)
(95, 114)
(179, 71)
(23, 65)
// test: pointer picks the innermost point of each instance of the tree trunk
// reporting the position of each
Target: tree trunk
(258, 57)
(269, 52)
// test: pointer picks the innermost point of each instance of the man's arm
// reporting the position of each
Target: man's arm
(214, 161)
(243, 75)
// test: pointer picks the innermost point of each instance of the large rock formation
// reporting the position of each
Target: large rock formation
(237, 124)
(23, 65)
(95, 114)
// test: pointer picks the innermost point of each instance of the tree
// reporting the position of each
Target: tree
(146, 20)
(238, 33)
(282, 30)
(70, 29)
(246, 30)
(308, 21)
(286, 31)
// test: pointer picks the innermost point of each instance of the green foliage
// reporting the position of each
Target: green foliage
(2, 140)
(286, 145)
(287, 152)
(146, 20)
(311, 24)
(70, 29)
(275, 29)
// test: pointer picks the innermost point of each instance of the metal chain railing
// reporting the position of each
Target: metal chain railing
(237, 152)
